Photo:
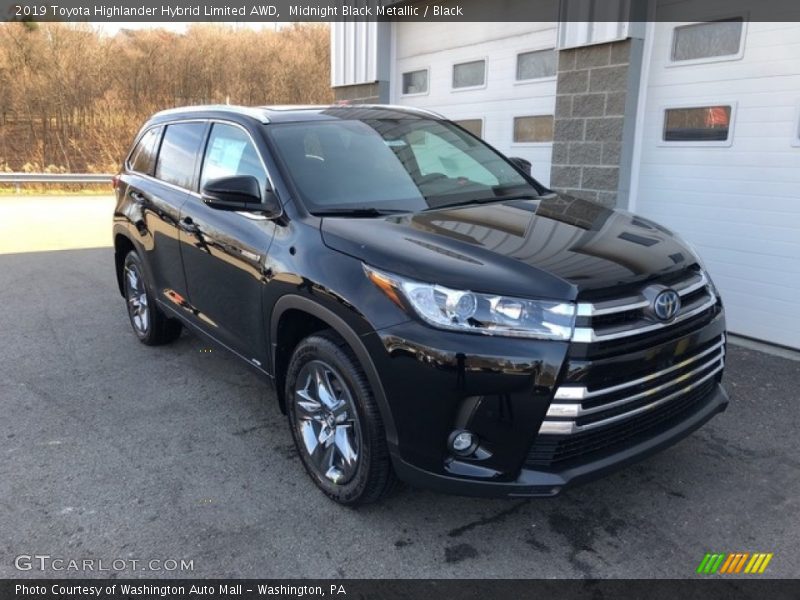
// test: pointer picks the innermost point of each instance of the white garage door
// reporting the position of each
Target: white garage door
(720, 162)
(497, 79)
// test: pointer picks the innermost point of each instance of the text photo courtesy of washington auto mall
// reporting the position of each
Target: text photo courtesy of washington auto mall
(400, 299)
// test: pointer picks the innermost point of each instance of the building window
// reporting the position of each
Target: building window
(474, 126)
(708, 40)
(469, 74)
(697, 124)
(536, 65)
(535, 129)
(415, 82)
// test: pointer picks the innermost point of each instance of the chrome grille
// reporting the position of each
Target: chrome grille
(577, 409)
(626, 317)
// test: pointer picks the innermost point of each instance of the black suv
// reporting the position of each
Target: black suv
(425, 309)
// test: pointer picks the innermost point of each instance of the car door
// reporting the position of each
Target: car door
(223, 252)
(162, 171)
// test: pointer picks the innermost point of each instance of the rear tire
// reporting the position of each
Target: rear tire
(149, 323)
(335, 422)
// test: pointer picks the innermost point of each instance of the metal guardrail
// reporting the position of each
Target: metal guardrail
(19, 178)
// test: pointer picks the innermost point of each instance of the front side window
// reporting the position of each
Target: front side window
(391, 164)
(536, 65)
(231, 152)
(415, 82)
(469, 74)
(707, 40)
(143, 158)
(697, 124)
(179, 150)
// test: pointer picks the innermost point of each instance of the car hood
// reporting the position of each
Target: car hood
(552, 247)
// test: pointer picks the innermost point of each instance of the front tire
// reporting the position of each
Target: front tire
(335, 422)
(149, 323)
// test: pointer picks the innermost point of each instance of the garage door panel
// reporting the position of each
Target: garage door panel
(762, 324)
(725, 193)
(740, 204)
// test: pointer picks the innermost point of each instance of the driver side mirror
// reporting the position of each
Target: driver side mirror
(522, 164)
(240, 193)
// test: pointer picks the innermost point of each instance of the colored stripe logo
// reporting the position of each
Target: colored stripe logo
(734, 563)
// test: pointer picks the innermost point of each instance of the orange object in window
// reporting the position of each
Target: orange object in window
(717, 116)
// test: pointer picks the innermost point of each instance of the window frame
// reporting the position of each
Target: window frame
(532, 144)
(481, 119)
(711, 59)
(536, 79)
(700, 103)
(427, 91)
(470, 88)
(207, 139)
(196, 173)
(135, 145)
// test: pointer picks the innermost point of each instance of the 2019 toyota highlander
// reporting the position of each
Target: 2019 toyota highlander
(425, 308)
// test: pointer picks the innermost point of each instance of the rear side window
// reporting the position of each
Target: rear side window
(179, 150)
(143, 157)
(230, 152)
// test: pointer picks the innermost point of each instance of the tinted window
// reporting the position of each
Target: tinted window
(403, 164)
(706, 40)
(698, 124)
(537, 129)
(535, 65)
(415, 82)
(469, 74)
(143, 157)
(179, 149)
(229, 152)
(474, 126)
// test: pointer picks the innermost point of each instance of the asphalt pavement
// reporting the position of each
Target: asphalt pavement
(112, 450)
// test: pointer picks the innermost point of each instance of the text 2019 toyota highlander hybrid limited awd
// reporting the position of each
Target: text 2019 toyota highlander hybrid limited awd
(426, 310)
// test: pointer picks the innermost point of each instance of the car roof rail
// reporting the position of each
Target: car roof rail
(248, 111)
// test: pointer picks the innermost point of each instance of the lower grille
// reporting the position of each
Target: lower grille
(549, 450)
(581, 420)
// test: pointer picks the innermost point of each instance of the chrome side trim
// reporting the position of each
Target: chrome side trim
(581, 393)
(570, 427)
(576, 410)
(587, 335)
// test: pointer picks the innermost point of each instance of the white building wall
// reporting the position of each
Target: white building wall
(739, 203)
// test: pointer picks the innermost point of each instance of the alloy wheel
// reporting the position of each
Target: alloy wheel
(327, 423)
(136, 295)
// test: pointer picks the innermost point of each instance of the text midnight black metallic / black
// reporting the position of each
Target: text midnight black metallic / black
(425, 309)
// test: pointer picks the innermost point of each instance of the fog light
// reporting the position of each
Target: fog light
(462, 442)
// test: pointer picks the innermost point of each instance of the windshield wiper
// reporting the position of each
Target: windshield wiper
(360, 211)
(486, 200)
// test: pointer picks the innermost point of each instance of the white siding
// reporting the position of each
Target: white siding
(437, 46)
(739, 204)
(354, 53)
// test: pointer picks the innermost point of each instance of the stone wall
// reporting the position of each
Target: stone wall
(364, 93)
(594, 118)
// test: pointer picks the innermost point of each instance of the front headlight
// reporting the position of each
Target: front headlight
(490, 314)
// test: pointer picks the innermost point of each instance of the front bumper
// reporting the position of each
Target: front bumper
(501, 389)
(532, 483)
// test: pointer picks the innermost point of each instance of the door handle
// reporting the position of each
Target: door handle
(136, 197)
(188, 225)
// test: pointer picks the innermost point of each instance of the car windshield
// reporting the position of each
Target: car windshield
(388, 165)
